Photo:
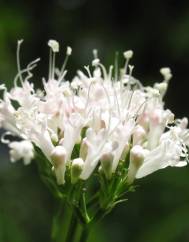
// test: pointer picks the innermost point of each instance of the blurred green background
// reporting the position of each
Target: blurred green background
(158, 32)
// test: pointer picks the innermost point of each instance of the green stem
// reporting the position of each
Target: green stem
(72, 229)
(57, 223)
(84, 234)
(64, 224)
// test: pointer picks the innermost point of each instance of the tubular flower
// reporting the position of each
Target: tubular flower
(96, 120)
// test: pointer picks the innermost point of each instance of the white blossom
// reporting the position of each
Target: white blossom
(106, 118)
(21, 150)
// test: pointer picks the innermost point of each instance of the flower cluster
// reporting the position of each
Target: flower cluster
(107, 115)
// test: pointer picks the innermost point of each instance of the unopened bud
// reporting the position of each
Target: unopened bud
(76, 169)
(125, 151)
(138, 135)
(58, 156)
(137, 155)
(106, 163)
(54, 45)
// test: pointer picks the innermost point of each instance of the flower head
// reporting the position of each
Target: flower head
(96, 120)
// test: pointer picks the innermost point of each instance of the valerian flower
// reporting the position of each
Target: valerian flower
(107, 117)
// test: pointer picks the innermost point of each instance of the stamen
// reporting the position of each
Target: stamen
(32, 65)
(54, 48)
(128, 55)
(18, 59)
(110, 73)
(95, 53)
(27, 69)
(4, 140)
(130, 71)
(88, 71)
(116, 66)
(96, 62)
(68, 53)
(166, 73)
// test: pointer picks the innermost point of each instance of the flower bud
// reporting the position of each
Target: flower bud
(58, 157)
(106, 163)
(138, 135)
(125, 151)
(76, 169)
(137, 155)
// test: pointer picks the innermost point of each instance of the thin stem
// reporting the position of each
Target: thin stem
(100, 214)
(58, 223)
(93, 200)
(84, 208)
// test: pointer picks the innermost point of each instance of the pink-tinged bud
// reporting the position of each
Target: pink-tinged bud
(106, 163)
(143, 120)
(137, 155)
(76, 169)
(139, 135)
(156, 117)
(58, 157)
(125, 151)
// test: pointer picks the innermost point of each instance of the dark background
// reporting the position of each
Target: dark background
(158, 32)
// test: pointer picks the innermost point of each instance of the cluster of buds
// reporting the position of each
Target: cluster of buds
(92, 123)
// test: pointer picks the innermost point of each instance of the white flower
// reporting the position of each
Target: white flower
(106, 117)
(21, 150)
(168, 153)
